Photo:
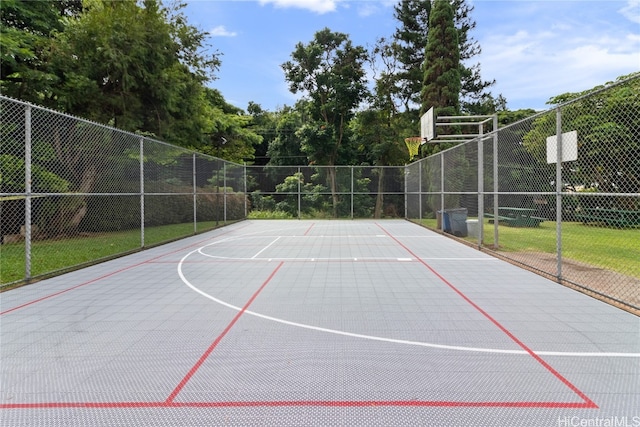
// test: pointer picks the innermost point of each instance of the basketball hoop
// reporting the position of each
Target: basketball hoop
(413, 144)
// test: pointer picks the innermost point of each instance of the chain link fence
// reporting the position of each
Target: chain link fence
(327, 192)
(576, 220)
(74, 192)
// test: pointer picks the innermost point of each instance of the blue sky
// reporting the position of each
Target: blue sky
(533, 49)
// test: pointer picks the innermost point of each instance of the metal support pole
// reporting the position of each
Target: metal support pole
(244, 173)
(559, 193)
(142, 192)
(27, 195)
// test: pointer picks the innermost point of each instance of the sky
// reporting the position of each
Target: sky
(534, 49)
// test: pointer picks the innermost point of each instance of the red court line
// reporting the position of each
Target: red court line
(298, 403)
(206, 354)
(588, 402)
(170, 402)
(106, 275)
(309, 229)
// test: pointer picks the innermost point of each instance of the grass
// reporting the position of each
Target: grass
(48, 256)
(610, 248)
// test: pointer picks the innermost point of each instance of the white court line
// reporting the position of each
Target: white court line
(265, 248)
(388, 340)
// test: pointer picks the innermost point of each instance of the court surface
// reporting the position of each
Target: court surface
(314, 323)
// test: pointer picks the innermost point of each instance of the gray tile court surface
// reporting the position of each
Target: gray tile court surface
(314, 323)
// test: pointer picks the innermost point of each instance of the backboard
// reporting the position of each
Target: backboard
(428, 126)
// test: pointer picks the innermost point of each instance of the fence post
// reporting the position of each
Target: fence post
(142, 192)
(559, 193)
(480, 181)
(441, 190)
(420, 190)
(406, 194)
(244, 190)
(27, 193)
(495, 184)
(299, 193)
(224, 192)
(352, 190)
(195, 197)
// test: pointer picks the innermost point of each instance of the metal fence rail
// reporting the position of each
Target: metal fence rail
(577, 220)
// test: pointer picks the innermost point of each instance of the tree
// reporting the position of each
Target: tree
(329, 70)
(608, 138)
(441, 84)
(228, 132)
(24, 39)
(136, 67)
(474, 97)
(285, 148)
(410, 40)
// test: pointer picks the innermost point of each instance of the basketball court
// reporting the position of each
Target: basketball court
(314, 323)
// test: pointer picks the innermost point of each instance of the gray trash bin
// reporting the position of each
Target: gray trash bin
(457, 221)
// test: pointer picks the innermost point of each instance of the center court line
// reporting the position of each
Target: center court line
(265, 248)
(184, 261)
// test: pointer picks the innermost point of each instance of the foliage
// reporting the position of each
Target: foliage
(441, 84)
(608, 136)
(330, 71)
(24, 40)
(408, 45)
(43, 181)
(285, 148)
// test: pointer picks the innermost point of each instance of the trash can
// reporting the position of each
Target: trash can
(457, 219)
(446, 222)
(439, 220)
(472, 227)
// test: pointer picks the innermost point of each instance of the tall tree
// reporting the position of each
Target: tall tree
(441, 83)
(409, 42)
(330, 71)
(474, 97)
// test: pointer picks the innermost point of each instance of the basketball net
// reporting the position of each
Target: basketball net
(413, 144)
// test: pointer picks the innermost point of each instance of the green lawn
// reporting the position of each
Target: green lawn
(53, 255)
(609, 248)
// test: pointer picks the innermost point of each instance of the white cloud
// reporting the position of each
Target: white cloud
(221, 31)
(317, 6)
(543, 64)
(631, 11)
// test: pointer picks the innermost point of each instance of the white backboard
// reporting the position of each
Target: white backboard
(427, 126)
(569, 147)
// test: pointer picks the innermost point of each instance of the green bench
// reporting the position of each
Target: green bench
(610, 217)
(516, 217)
